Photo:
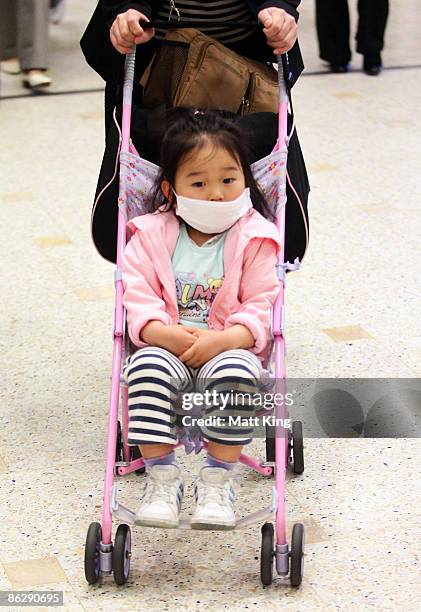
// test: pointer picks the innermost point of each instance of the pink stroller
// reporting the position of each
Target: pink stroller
(284, 447)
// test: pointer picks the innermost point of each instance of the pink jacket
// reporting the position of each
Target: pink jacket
(246, 295)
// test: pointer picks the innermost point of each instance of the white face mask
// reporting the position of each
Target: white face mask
(212, 217)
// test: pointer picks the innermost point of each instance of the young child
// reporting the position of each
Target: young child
(200, 280)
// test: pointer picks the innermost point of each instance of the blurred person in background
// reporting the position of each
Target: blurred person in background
(24, 41)
(333, 31)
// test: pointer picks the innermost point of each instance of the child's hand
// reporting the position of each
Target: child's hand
(178, 339)
(209, 343)
(174, 338)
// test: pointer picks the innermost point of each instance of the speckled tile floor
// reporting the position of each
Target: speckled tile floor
(353, 311)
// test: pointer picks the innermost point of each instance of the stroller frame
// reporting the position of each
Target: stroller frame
(285, 450)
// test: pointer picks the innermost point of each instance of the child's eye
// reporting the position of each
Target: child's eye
(198, 184)
(227, 181)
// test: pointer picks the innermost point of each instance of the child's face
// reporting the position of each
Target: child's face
(209, 173)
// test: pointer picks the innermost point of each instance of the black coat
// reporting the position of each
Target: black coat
(108, 62)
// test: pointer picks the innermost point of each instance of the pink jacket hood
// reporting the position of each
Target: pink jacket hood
(246, 295)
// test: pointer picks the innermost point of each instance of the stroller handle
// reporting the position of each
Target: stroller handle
(174, 24)
(129, 71)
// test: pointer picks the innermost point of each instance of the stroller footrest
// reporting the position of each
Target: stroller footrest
(127, 516)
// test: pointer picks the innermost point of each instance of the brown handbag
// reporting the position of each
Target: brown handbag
(194, 70)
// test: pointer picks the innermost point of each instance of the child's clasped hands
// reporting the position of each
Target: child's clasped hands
(192, 345)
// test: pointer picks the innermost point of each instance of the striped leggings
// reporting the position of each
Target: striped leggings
(157, 379)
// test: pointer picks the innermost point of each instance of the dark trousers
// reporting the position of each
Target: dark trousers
(332, 20)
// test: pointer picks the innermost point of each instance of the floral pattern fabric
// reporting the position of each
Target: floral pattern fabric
(138, 178)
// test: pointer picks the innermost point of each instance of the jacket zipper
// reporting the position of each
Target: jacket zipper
(211, 309)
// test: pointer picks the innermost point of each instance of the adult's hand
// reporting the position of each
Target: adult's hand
(126, 31)
(279, 28)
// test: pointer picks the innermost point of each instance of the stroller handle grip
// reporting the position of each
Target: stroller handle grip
(174, 24)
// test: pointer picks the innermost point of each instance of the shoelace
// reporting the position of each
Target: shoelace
(212, 492)
(162, 490)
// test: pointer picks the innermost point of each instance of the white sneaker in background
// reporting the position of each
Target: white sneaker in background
(36, 79)
(57, 10)
(162, 496)
(214, 493)
(11, 66)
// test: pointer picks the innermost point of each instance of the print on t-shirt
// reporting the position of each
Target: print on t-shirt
(195, 298)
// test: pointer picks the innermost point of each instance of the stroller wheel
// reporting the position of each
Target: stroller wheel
(297, 447)
(297, 555)
(266, 555)
(122, 554)
(136, 455)
(92, 545)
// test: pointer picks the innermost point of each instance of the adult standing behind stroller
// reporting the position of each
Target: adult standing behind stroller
(24, 36)
(119, 21)
(332, 20)
(114, 28)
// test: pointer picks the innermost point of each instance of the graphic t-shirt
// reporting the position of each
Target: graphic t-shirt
(198, 272)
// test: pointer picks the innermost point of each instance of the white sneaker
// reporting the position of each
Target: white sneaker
(161, 499)
(10, 66)
(36, 79)
(214, 493)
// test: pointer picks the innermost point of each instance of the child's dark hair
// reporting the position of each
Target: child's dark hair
(189, 128)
